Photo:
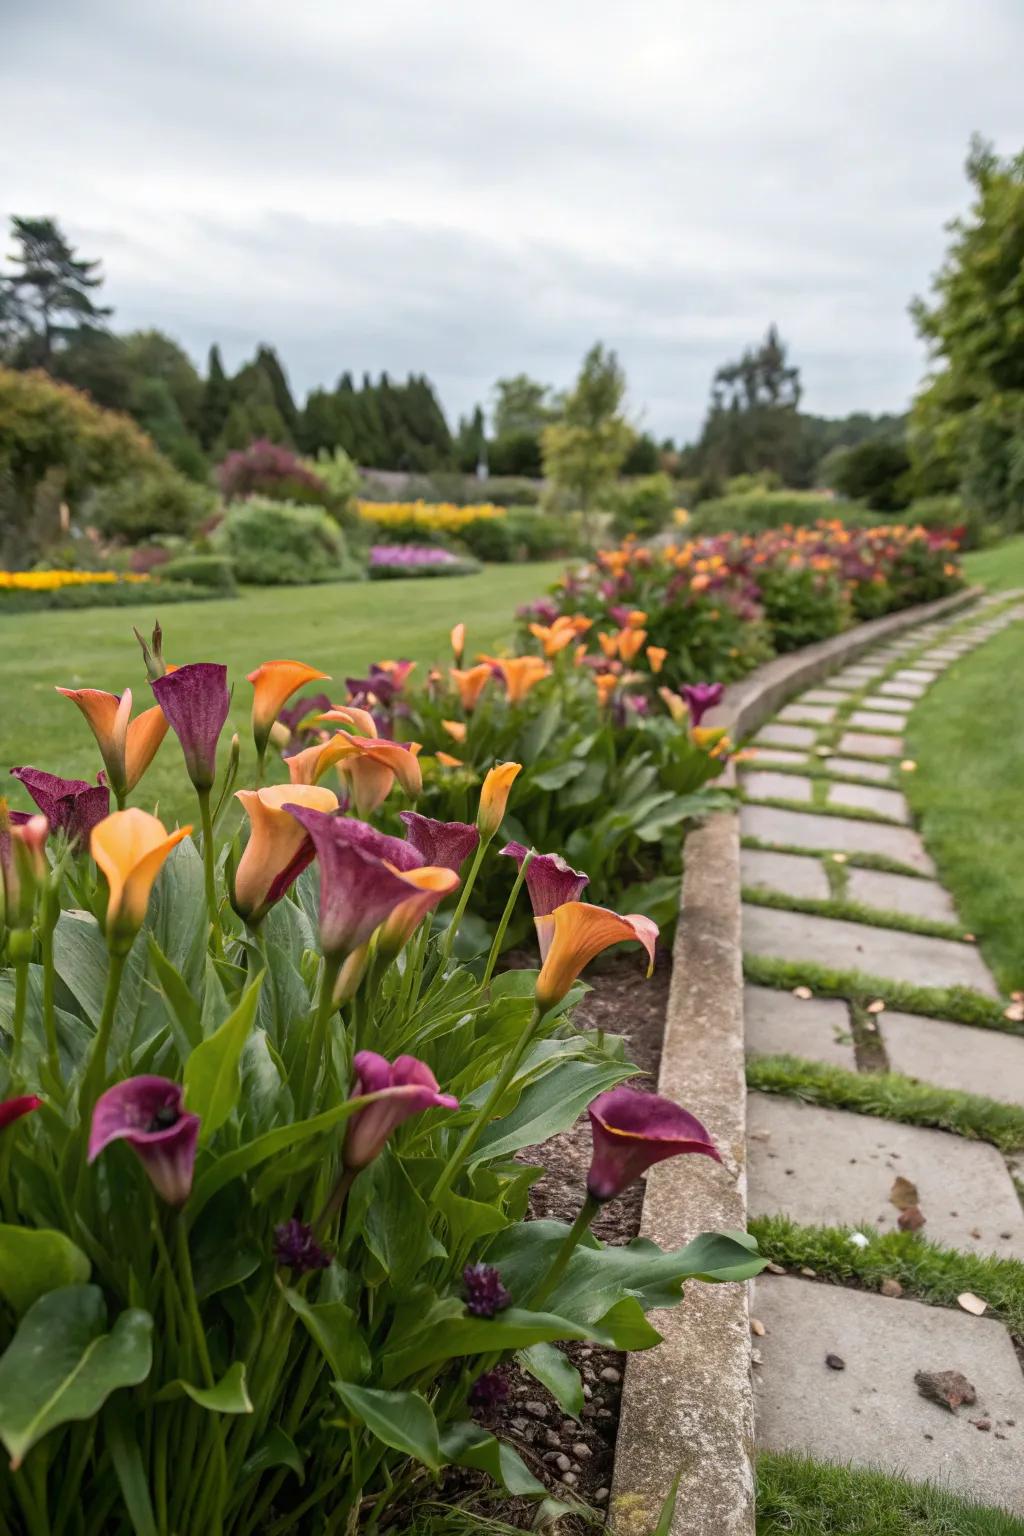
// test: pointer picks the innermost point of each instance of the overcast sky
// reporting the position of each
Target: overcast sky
(472, 189)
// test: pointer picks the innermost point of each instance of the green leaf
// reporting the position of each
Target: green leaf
(275, 1449)
(627, 1327)
(334, 1329)
(229, 1395)
(212, 1078)
(178, 998)
(553, 1370)
(34, 1260)
(62, 1365)
(515, 1328)
(549, 1106)
(403, 1420)
(468, 1445)
(124, 1450)
(396, 1228)
(668, 1509)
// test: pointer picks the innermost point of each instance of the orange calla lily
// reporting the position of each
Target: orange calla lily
(494, 793)
(520, 674)
(458, 640)
(471, 683)
(573, 934)
(130, 848)
(433, 883)
(273, 684)
(279, 847)
(310, 765)
(456, 730)
(350, 714)
(127, 746)
(675, 704)
(636, 617)
(447, 761)
(371, 766)
(554, 637)
(656, 656)
(608, 643)
(631, 642)
(606, 684)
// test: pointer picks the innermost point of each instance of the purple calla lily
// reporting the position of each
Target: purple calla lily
(195, 702)
(357, 888)
(485, 1294)
(551, 882)
(14, 1109)
(445, 844)
(69, 805)
(632, 1131)
(701, 697)
(406, 1087)
(149, 1113)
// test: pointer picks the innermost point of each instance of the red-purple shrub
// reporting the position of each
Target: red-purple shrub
(268, 469)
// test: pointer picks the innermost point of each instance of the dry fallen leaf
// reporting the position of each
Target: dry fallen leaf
(969, 938)
(775, 1269)
(903, 1193)
(803, 993)
(878, 1006)
(972, 1304)
(912, 1219)
(839, 858)
(908, 765)
(948, 1388)
(1018, 997)
(756, 1326)
(890, 1287)
(1015, 1013)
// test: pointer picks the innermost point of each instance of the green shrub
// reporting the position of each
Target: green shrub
(755, 511)
(876, 472)
(947, 513)
(644, 506)
(802, 605)
(141, 506)
(490, 539)
(538, 536)
(507, 491)
(277, 543)
(203, 570)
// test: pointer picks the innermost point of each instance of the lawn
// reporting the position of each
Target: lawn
(998, 568)
(339, 627)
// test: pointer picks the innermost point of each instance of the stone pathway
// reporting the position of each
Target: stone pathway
(836, 876)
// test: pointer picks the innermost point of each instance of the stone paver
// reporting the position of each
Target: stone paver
(886, 953)
(865, 797)
(786, 872)
(860, 768)
(785, 736)
(903, 690)
(761, 785)
(762, 754)
(901, 893)
(802, 829)
(818, 714)
(955, 1055)
(863, 744)
(824, 696)
(871, 1413)
(923, 675)
(829, 1168)
(874, 720)
(889, 706)
(777, 1023)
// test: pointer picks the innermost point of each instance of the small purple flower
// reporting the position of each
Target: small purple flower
(632, 1131)
(550, 881)
(701, 697)
(406, 1087)
(69, 805)
(357, 888)
(195, 702)
(444, 844)
(149, 1113)
(296, 1248)
(485, 1294)
(489, 1390)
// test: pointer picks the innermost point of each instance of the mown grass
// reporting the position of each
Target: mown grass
(339, 627)
(999, 568)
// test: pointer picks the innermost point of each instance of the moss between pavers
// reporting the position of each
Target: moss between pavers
(927, 1271)
(879, 861)
(890, 1096)
(845, 812)
(852, 911)
(958, 1004)
(798, 1497)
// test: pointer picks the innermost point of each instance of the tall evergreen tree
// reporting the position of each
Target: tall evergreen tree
(53, 287)
(215, 405)
(268, 360)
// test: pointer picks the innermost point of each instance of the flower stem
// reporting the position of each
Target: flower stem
(476, 1129)
(20, 1007)
(467, 891)
(209, 871)
(588, 1210)
(48, 922)
(96, 1071)
(318, 1034)
(492, 958)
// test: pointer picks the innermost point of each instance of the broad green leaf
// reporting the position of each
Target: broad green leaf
(553, 1370)
(224, 1252)
(403, 1420)
(396, 1228)
(539, 732)
(34, 1260)
(275, 1449)
(62, 1365)
(119, 1431)
(515, 1328)
(229, 1395)
(626, 1326)
(471, 1219)
(334, 1329)
(558, 776)
(549, 1106)
(468, 1445)
(178, 997)
(212, 1078)
(668, 1509)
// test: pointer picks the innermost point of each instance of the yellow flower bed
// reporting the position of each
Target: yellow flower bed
(441, 515)
(49, 581)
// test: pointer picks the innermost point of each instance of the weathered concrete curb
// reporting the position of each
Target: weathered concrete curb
(687, 1406)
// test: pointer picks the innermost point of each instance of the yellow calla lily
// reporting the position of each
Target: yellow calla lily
(130, 848)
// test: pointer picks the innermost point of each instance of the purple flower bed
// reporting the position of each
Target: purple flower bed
(393, 560)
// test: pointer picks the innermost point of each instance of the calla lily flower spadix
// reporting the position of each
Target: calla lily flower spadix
(279, 847)
(130, 848)
(573, 934)
(127, 746)
(195, 702)
(149, 1114)
(72, 806)
(632, 1131)
(273, 684)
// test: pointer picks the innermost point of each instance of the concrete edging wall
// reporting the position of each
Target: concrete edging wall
(687, 1406)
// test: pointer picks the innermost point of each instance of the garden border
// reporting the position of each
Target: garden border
(687, 1406)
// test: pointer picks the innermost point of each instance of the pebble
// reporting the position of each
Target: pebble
(600, 1495)
(570, 1479)
(559, 1459)
(983, 1424)
(519, 1423)
(538, 1410)
(551, 1439)
(568, 1426)
(587, 1392)
(835, 1362)
(581, 1452)
(604, 1413)
(611, 1374)
(585, 1354)
(588, 1411)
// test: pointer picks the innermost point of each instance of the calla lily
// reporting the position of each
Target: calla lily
(406, 1087)
(494, 793)
(273, 684)
(196, 701)
(701, 697)
(554, 637)
(310, 765)
(631, 643)
(550, 883)
(396, 851)
(606, 684)
(149, 1114)
(69, 805)
(130, 848)
(13, 1109)
(279, 847)
(432, 884)
(358, 889)
(448, 761)
(608, 643)
(675, 705)
(23, 867)
(127, 746)
(520, 674)
(471, 683)
(458, 642)
(656, 657)
(456, 729)
(371, 767)
(350, 714)
(632, 1131)
(445, 843)
(574, 933)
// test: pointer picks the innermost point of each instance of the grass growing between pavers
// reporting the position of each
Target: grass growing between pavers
(926, 1271)
(878, 861)
(844, 812)
(958, 1004)
(851, 911)
(798, 1497)
(890, 1096)
(967, 737)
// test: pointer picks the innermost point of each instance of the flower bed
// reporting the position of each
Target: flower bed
(261, 1215)
(28, 591)
(390, 561)
(441, 517)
